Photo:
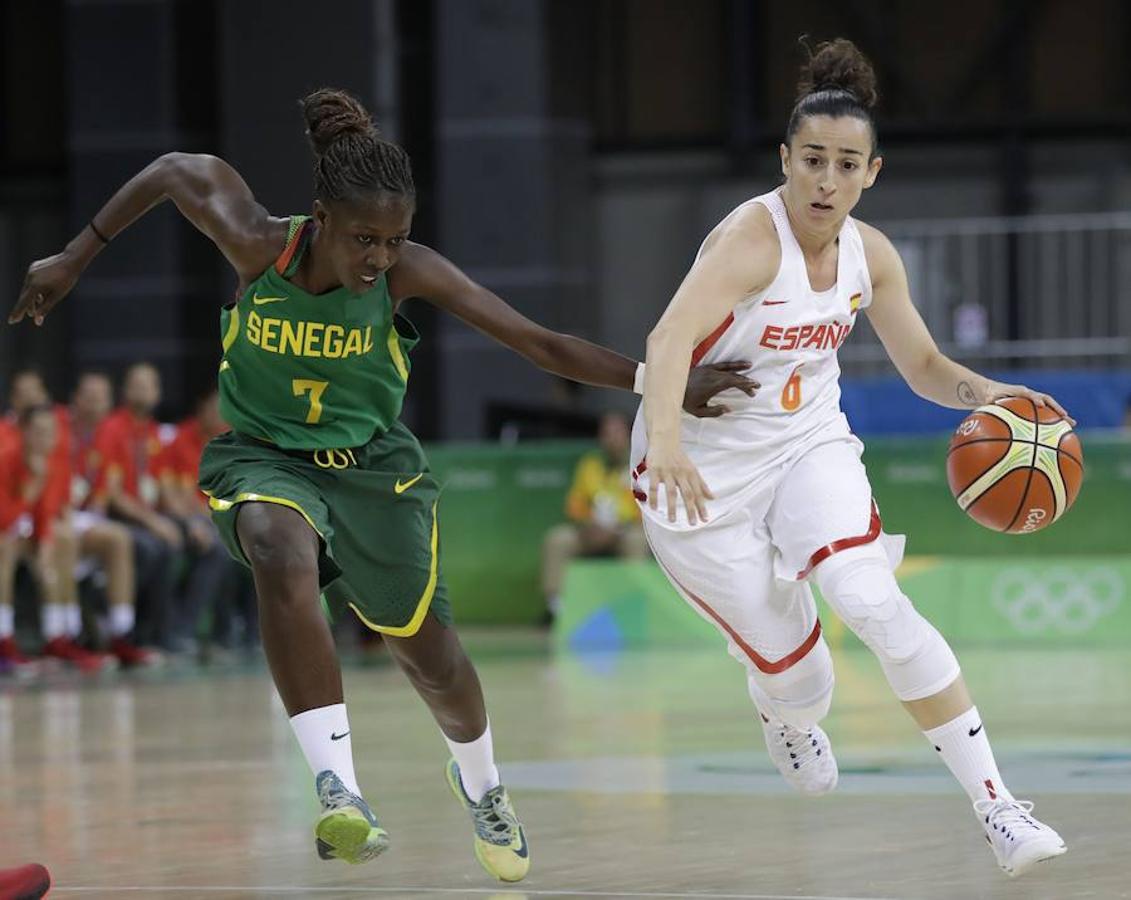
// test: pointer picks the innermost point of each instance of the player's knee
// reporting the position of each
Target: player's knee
(278, 550)
(433, 673)
(861, 589)
(933, 668)
(802, 694)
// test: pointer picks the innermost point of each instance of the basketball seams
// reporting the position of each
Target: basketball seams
(1033, 444)
(987, 440)
(1060, 457)
(1010, 461)
(969, 509)
(1020, 428)
(1024, 493)
(1048, 463)
(1072, 456)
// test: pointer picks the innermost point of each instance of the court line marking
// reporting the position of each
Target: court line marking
(494, 892)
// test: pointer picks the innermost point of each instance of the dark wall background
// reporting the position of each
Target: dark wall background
(523, 117)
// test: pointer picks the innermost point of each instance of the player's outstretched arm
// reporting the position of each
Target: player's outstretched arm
(926, 369)
(424, 273)
(739, 258)
(207, 191)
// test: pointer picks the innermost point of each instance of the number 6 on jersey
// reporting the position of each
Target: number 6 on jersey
(791, 393)
(316, 389)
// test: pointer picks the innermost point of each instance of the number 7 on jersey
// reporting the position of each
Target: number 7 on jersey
(316, 389)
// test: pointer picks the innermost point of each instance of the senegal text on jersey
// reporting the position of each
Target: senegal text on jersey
(314, 339)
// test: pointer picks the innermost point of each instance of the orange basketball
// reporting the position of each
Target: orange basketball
(1014, 466)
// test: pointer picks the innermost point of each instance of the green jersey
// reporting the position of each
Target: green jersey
(310, 372)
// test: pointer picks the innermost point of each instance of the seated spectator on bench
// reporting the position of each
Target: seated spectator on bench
(603, 517)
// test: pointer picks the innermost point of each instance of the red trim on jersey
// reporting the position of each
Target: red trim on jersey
(873, 532)
(710, 340)
(284, 259)
(764, 665)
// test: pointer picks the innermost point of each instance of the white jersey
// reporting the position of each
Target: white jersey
(791, 334)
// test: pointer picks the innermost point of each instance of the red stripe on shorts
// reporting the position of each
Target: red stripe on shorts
(873, 532)
(763, 664)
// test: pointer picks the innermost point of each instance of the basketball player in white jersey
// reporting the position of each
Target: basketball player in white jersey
(743, 511)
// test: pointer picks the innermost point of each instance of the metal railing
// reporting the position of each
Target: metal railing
(1050, 290)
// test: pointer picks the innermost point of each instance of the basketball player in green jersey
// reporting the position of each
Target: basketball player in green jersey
(319, 488)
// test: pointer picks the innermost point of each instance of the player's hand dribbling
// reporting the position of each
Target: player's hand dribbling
(47, 282)
(704, 382)
(997, 391)
(676, 472)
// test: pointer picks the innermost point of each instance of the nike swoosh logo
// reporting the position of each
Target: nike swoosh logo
(774, 302)
(259, 301)
(522, 851)
(974, 731)
(338, 737)
(400, 487)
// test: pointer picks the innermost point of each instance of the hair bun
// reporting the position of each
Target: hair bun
(332, 115)
(838, 65)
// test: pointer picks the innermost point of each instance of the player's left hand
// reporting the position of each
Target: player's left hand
(997, 391)
(704, 382)
(47, 282)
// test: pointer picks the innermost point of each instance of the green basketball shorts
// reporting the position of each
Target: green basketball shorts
(374, 508)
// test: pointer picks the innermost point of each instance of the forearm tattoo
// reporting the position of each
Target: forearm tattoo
(966, 394)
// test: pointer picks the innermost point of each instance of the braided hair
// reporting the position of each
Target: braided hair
(836, 80)
(351, 159)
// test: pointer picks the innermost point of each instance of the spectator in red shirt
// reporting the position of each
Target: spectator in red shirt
(180, 463)
(91, 402)
(122, 477)
(212, 575)
(27, 390)
(100, 539)
(35, 524)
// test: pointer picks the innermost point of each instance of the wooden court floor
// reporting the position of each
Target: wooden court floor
(637, 775)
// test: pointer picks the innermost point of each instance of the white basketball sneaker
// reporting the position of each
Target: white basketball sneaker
(1018, 840)
(804, 757)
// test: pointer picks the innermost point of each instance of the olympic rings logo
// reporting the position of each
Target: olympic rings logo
(1058, 599)
(334, 459)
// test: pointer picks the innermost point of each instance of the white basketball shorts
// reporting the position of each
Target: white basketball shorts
(746, 572)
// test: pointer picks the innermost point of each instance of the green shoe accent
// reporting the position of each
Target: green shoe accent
(500, 842)
(347, 828)
(346, 834)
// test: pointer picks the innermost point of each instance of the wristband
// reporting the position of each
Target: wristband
(638, 380)
(98, 234)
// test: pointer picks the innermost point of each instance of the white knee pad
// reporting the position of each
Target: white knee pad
(860, 587)
(800, 696)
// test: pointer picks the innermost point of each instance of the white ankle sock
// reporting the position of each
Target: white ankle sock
(53, 621)
(324, 736)
(965, 749)
(121, 619)
(7, 621)
(476, 761)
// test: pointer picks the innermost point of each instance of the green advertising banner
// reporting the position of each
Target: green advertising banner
(499, 501)
(1057, 600)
